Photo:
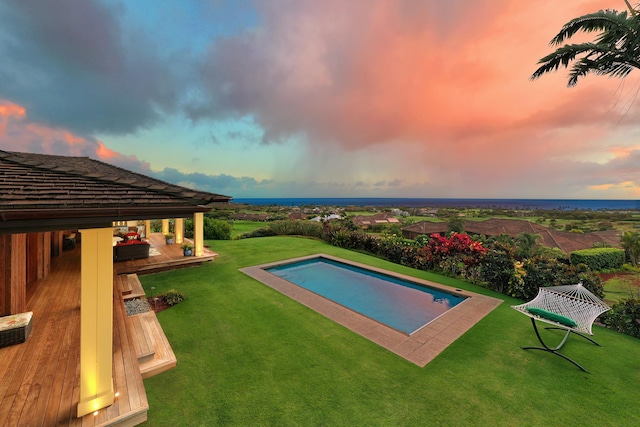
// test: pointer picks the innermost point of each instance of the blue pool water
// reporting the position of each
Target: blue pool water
(398, 303)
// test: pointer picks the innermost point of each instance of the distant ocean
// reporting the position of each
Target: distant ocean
(547, 204)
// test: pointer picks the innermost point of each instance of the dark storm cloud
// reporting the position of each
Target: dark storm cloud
(72, 64)
(222, 183)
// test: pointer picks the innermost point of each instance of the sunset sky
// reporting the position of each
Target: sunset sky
(307, 98)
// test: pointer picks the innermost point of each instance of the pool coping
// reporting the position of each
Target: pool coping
(420, 347)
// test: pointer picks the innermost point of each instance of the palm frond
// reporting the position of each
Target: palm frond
(561, 57)
(615, 51)
(603, 20)
(585, 66)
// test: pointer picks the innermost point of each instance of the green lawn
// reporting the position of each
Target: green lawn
(249, 356)
(241, 227)
(619, 288)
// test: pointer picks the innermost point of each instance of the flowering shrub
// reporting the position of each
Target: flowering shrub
(497, 268)
(457, 255)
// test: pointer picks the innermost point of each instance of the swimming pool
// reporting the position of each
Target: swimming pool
(400, 304)
(419, 347)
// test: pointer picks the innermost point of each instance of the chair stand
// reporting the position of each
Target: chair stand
(554, 350)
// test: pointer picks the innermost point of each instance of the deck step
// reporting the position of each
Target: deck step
(143, 341)
(132, 286)
(125, 288)
(163, 357)
(165, 265)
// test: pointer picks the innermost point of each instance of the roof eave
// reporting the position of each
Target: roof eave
(34, 220)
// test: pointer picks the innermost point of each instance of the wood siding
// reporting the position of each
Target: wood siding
(13, 277)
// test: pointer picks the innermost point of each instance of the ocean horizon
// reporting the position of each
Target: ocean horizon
(399, 202)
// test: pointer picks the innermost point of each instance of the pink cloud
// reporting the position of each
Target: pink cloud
(9, 110)
(18, 133)
(446, 83)
(361, 73)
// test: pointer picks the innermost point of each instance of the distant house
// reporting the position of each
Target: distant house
(366, 221)
(330, 217)
(563, 240)
(296, 216)
(45, 197)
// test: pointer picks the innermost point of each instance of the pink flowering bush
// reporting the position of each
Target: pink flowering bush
(457, 255)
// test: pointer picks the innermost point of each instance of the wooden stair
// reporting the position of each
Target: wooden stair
(173, 264)
(155, 354)
(151, 346)
(143, 344)
(131, 287)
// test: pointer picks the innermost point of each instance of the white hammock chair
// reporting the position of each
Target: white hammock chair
(572, 308)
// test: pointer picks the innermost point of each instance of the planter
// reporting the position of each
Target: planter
(170, 241)
(188, 252)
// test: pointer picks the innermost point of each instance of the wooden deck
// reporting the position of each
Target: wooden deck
(40, 379)
(170, 257)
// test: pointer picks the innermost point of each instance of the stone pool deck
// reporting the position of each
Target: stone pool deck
(421, 346)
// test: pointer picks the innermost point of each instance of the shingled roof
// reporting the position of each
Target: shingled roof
(54, 192)
(564, 240)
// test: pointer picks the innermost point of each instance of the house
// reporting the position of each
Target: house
(46, 200)
(297, 216)
(563, 240)
(324, 218)
(366, 221)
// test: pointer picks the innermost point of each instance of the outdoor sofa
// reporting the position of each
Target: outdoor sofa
(129, 247)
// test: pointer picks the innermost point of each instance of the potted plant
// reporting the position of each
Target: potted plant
(168, 238)
(187, 249)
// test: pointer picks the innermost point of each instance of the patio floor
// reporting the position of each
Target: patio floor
(40, 379)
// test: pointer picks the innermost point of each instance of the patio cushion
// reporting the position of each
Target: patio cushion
(15, 329)
(15, 321)
(554, 317)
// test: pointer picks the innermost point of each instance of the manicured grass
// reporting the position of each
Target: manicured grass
(248, 355)
(618, 288)
(241, 227)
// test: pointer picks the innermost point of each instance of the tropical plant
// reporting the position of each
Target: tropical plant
(213, 229)
(498, 268)
(526, 243)
(455, 224)
(631, 244)
(173, 296)
(614, 52)
(456, 255)
(624, 317)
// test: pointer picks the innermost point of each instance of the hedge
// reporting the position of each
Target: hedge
(599, 259)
